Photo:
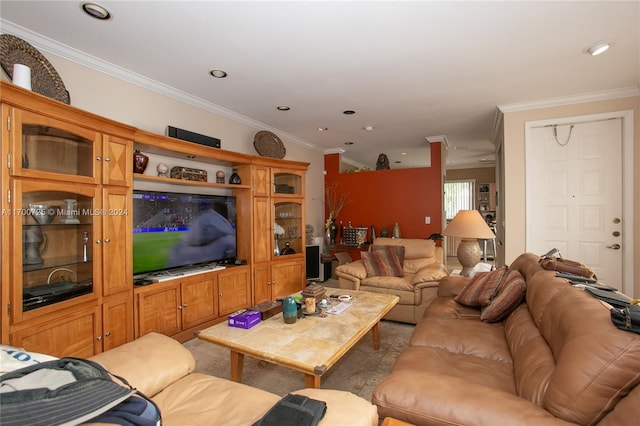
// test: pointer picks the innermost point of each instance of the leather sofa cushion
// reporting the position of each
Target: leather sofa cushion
(533, 361)
(200, 399)
(425, 397)
(431, 361)
(157, 371)
(471, 337)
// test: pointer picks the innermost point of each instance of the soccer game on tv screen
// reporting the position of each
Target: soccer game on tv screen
(174, 229)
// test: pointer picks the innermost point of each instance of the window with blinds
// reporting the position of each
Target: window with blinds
(458, 195)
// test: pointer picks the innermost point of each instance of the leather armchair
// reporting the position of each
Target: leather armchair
(422, 267)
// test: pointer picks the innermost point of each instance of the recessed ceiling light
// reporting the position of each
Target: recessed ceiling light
(283, 108)
(96, 11)
(403, 153)
(348, 143)
(368, 128)
(349, 112)
(598, 49)
(322, 129)
(218, 73)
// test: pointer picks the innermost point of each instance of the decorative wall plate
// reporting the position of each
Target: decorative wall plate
(268, 144)
(44, 77)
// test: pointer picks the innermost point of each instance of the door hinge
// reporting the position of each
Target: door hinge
(8, 196)
(8, 161)
(9, 309)
(9, 123)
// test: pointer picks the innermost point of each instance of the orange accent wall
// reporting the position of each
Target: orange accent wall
(383, 197)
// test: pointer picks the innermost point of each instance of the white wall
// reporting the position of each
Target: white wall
(145, 109)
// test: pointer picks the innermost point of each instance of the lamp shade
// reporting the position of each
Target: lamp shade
(468, 224)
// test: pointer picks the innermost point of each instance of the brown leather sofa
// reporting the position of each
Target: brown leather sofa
(422, 267)
(162, 369)
(556, 359)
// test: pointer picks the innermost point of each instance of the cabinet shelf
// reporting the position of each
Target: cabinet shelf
(56, 262)
(189, 182)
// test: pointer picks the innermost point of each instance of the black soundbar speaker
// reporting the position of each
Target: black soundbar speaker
(186, 135)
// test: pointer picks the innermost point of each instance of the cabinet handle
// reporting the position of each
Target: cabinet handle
(107, 159)
(107, 334)
(184, 305)
(99, 338)
(179, 307)
(98, 242)
(99, 158)
(107, 240)
(221, 294)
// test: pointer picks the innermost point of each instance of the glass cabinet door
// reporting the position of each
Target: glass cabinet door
(287, 183)
(288, 228)
(54, 254)
(56, 150)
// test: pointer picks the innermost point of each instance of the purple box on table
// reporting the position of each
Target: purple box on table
(243, 318)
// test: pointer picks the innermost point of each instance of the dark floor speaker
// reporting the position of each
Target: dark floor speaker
(186, 135)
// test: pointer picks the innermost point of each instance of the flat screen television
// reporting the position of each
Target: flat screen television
(173, 230)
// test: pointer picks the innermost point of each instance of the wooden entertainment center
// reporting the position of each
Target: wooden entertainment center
(79, 167)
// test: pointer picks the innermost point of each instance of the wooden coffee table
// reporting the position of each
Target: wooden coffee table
(313, 344)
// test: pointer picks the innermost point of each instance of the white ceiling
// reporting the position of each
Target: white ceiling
(410, 69)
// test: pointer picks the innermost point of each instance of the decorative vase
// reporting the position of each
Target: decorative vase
(333, 229)
(234, 179)
(140, 162)
(396, 231)
(289, 310)
(327, 237)
(34, 243)
(71, 211)
(276, 249)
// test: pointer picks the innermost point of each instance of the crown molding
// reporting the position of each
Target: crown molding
(439, 138)
(568, 100)
(53, 47)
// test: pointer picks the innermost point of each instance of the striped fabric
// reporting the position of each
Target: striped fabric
(508, 297)
(482, 288)
(398, 249)
(382, 262)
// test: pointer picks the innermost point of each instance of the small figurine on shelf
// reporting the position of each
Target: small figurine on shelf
(219, 176)
(234, 179)
(162, 169)
(287, 249)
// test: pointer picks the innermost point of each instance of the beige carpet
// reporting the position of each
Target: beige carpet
(359, 371)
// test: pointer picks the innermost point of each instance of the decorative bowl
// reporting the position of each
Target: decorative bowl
(43, 213)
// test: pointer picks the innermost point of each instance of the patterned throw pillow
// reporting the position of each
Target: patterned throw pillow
(482, 287)
(398, 249)
(508, 297)
(382, 263)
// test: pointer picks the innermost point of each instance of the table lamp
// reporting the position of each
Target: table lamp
(469, 226)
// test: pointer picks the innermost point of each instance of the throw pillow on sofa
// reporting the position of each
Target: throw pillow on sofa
(507, 298)
(482, 287)
(382, 263)
(398, 249)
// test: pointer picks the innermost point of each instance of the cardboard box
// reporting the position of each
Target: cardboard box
(243, 318)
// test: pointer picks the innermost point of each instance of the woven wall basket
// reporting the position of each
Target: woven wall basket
(268, 144)
(44, 77)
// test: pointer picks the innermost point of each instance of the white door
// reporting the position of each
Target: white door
(574, 194)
